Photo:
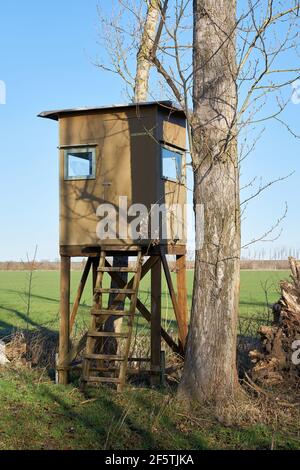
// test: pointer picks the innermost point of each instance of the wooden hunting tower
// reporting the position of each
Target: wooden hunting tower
(111, 159)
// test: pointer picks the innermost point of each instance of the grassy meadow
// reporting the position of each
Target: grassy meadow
(43, 309)
(37, 414)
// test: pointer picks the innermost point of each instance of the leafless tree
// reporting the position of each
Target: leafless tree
(147, 42)
(30, 266)
(230, 67)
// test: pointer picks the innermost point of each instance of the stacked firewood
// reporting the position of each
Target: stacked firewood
(279, 356)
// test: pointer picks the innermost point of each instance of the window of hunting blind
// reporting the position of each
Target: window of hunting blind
(80, 163)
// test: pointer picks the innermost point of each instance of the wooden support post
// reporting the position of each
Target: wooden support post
(182, 294)
(155, 322)
(163, 368)
(181, 332)
(64, 334)
(95, 272)
(80, 292)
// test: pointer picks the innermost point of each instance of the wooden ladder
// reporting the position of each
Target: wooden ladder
(96, 359)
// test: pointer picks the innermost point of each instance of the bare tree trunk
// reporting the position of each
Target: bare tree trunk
(144, 53)
(210, 366)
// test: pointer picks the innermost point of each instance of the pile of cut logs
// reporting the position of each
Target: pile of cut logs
(279, 357)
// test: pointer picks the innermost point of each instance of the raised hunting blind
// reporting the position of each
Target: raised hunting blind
(122, 194)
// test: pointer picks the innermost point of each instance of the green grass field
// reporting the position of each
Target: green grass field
(37, 414)
(44, 306)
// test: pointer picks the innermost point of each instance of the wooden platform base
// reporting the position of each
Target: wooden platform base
(116, 250)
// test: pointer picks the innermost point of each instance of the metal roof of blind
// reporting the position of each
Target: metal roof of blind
(56, 114)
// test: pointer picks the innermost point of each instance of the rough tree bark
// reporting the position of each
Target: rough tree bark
(144, 53)
(210, 365)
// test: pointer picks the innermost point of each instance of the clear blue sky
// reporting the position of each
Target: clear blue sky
(46, 50)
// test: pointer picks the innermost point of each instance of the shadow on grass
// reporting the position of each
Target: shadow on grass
(162, 414)
(107, 420)
(107, 424)
(252, 303)
(22, 316)
(25, 294)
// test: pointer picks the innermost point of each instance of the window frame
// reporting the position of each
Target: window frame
(79, 149)
(175, 150)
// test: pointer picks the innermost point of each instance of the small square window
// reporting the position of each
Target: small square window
(171, 164)
(79, 163)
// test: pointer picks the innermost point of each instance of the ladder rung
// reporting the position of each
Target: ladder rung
(108, 334)
(104, 369)
(117, 313)
(105, 357)
(92, 379)
(112, 269)
(139, 359)
(101, 290)
(129, 370)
